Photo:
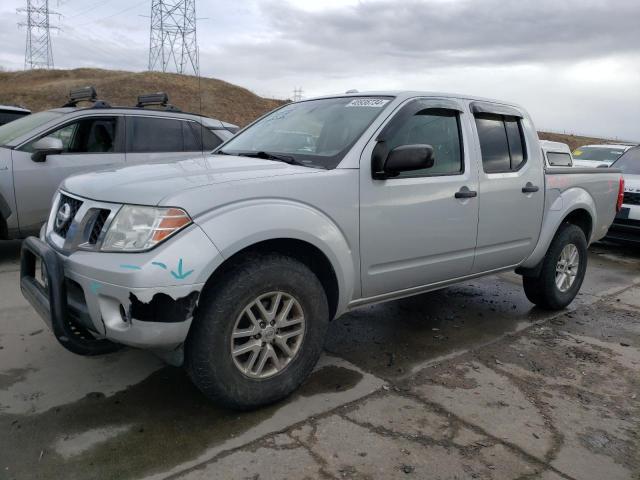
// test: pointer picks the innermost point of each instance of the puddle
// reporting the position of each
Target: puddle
(150, 427)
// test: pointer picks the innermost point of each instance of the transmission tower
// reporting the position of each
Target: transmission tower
(297, 94)
(38, 52)
(173, 45)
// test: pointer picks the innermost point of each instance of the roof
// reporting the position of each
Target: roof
(623, 146)
(207, 121)
(550, 146)
(406, 94)
(14, 108)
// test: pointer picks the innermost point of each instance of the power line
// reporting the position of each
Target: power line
(120, 12)
(173, 45)
(38, 52)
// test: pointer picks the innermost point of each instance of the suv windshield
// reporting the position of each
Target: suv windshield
(315, 133)
(629, 163)
(598, 154)
(17, 128)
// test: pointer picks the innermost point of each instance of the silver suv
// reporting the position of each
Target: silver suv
(38, 151)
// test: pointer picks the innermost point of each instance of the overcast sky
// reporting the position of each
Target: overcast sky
(574, 64)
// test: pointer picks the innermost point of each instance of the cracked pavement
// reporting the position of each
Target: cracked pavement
(468, 382)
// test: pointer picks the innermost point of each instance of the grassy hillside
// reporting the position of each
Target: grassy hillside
(44, 89)
(574, 141)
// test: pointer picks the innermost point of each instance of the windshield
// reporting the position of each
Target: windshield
(598, 154)
(17, 128)
(315, 133)
(629, 163)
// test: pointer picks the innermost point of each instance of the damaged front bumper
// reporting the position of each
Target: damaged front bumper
(142, 300)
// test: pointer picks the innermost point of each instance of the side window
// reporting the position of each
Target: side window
(191, 133)
(501, 143)
(210, 140)
(89, 135)
(439, 128)
(557, 159)
(65, 134)
(148, 134)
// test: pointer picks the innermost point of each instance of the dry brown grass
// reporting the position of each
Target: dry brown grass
(574, 141)
(44, 89)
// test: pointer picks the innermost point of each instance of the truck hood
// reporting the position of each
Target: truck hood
(148, 184)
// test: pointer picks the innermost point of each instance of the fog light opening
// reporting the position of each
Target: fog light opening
(123, 314)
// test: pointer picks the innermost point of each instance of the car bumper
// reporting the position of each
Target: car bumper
(146, 303)
(626, 225)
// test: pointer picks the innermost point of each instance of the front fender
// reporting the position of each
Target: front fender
(558, 206)
(237, 226)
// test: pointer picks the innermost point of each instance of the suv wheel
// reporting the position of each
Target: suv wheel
(563, 270)
(258, 334)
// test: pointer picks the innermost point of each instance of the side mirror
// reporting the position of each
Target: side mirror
(406, 158)
(46, 146)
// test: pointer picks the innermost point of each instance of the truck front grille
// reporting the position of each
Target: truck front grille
(65, 215)
(98, 225)
(631, 198)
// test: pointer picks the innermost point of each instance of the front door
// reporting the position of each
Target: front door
(414, 230)
(511, 188)
(90, 143)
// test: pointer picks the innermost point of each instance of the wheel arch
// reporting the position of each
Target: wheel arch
(573, 206)
(303, 251)
(295, 229)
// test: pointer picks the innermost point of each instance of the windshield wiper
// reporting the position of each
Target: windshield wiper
(272, 156)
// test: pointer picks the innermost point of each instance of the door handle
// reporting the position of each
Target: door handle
(530, 188)
(464, 192)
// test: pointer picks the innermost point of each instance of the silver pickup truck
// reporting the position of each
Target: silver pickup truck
(235, 264)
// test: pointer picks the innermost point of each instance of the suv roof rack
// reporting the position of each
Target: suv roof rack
(85, 94)
(160, 98)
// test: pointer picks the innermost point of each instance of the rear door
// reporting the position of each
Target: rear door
(90, 143)
(413, 229)
(156, 138)
(511, 186)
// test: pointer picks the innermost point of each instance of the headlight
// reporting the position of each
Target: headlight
(138, 228)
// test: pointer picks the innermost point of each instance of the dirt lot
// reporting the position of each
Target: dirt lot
(468, 382)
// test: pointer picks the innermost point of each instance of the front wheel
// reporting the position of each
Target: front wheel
(562, 272)
(257, 335)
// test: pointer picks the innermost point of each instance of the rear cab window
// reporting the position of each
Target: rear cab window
(502, 143)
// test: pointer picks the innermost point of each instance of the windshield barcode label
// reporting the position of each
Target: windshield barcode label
(367, 102)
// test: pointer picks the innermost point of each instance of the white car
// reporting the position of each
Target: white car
(626, 226)
(598, 155)
(556, 154)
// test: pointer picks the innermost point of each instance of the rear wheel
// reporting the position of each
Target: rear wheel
(562, 272)
(258, 334)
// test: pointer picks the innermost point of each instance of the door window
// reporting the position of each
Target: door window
(89, 135)
(501, 143)
(210, 140)
(152, 135)
(439, 128)
(192, 137)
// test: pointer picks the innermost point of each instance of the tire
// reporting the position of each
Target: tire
(543, 289)
(222, 309)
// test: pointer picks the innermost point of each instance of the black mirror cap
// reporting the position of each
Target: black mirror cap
(406, 158)
(41, 155)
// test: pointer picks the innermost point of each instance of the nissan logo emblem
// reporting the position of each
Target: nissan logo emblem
(63, 215)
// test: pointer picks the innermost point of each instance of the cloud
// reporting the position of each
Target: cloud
(574, 63)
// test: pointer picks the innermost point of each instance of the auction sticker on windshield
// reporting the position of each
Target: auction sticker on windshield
(367, 102)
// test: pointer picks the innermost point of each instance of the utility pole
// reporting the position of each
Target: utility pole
(297, 94)
(38, 52)
(173, 45)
